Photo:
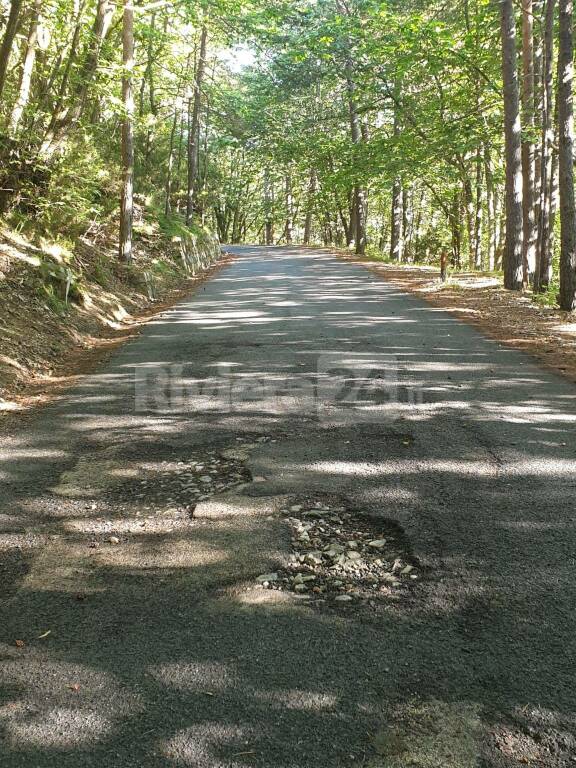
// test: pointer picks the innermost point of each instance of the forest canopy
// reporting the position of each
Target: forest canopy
(416, 131)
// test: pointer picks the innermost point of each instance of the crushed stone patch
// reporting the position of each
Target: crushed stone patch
(343, 556)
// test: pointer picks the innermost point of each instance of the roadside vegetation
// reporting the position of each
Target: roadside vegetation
(132, 134)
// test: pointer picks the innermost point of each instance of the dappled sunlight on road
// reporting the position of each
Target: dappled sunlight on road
(149, 592)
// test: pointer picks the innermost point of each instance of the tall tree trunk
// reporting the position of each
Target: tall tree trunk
(205, 162)
(470, 219)
(289, 209)
(27, 69)
(312, 187)
(170, 164)
(543, 251)
(492, 216)
(396, 241)
(194, 125)
(268, 208)
(8, 40)
(539, 8)
(359, 194)
(406, 223)
(530, 225)
(397, 213)
(456, 229)
(566, 158)
(127, 201)
(478, 211)
(513, 250)
(177, 121)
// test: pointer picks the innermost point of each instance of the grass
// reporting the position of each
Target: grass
(549, 298)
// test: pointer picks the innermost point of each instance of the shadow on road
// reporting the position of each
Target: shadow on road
(159, 651)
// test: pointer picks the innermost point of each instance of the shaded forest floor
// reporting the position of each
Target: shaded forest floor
(479, 299)
(46, 340)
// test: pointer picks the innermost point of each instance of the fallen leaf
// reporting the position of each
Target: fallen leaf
(19, 643)
(75, 687)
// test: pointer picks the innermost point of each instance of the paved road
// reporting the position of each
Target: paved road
(159, 652)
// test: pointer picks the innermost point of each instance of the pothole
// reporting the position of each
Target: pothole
(177, 486)
(343, 556)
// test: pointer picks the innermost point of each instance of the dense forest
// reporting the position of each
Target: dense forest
(414, 131)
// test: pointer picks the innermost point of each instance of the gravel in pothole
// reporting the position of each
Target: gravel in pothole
(172, 486)
(342, 556)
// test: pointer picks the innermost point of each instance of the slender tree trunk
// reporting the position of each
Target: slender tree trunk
(170, 165)
(530, 225)
(543, 251)
(268, 208)
(513, 250)
(359, 194)
(406, 224)
(566, 158)
(492, 217)
(478, 212)
(194, 125)
(456, 229)
(27, 69)
(205, 163)
(539, 34)
(289, 209)
(312, 187)
(470, 220)
(8, 41)
(396, 241)
(397, 214)
(127, 201)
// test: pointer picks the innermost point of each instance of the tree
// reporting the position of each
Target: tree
(566, 158)
(547, 182)
(193, 129)
(8, 40)
(513, 254)
(63, 119)
(530, 226)
(27, 68)
(127, 200)
(396, 244)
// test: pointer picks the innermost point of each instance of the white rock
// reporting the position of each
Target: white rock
(377, 543)
(267, 577)
(343, 598)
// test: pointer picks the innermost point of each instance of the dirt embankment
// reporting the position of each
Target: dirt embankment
(61, 314)
(512, 318)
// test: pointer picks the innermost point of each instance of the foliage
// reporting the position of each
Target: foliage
(277, 154)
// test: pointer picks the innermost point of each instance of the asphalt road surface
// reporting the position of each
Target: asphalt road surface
(132, 630)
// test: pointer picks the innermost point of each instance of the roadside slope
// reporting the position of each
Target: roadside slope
(62, 312)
